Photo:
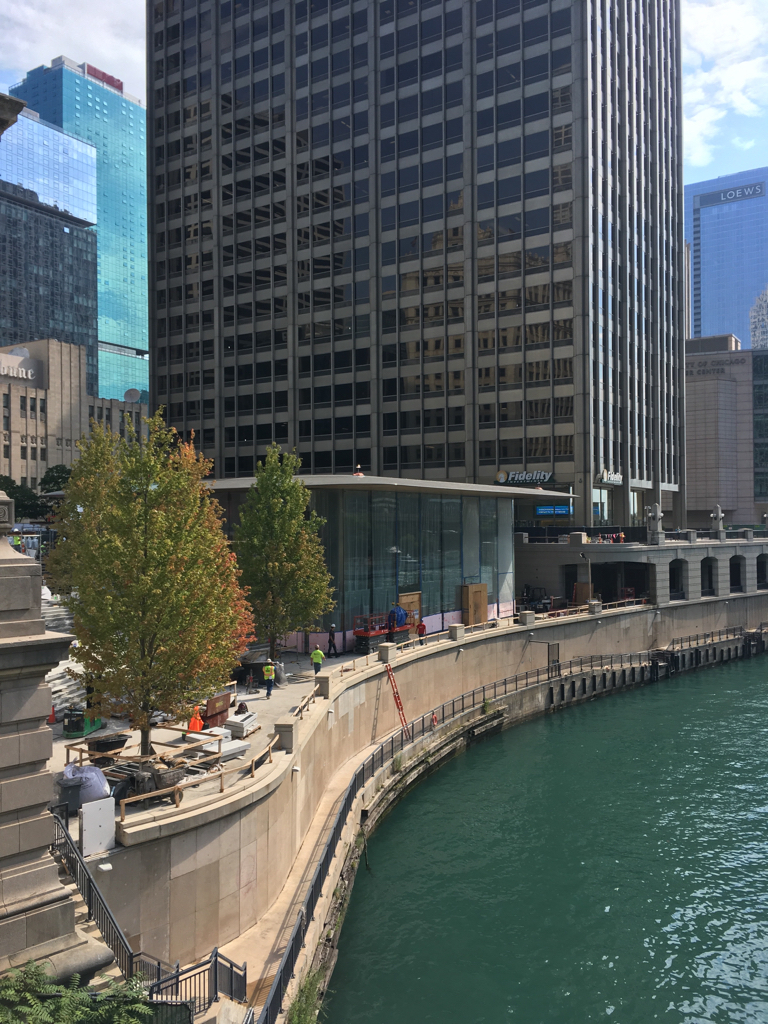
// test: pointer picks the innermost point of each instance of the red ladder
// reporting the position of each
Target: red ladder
(398, 702)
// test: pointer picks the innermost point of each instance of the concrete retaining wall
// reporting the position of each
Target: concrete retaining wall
(189, 879)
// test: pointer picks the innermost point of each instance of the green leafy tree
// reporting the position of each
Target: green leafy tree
(55, 479)
(29, 505)
(149, 576)
(30, 994)
(280, 552)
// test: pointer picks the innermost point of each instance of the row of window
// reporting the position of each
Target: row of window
(27, 453)
(412, 36)
(429, 66)
(426, 172)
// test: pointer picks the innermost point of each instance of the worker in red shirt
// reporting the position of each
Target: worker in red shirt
(421, 629)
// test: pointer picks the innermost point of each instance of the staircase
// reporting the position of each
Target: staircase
(87, 929)
(64, 689)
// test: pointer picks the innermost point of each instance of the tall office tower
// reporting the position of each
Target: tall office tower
(438, 238)
(47, 242)
(92, 105)
(726, 224)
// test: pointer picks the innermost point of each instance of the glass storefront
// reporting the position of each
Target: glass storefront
(380, 544)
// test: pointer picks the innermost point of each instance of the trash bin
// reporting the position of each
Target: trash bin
(69, 793)
(74, 722)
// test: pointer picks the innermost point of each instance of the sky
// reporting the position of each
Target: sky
(725, 66)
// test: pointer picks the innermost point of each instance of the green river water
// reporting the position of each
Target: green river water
(606, 862)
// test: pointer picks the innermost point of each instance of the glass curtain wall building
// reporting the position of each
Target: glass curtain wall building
(438, 239)
(47, 273)
(92, 105)
(726, 225)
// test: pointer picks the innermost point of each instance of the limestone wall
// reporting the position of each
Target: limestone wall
(189, 879)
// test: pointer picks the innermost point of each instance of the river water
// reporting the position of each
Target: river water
(606, 862)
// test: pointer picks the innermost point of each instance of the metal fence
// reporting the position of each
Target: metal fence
(697, 639)
(201, 984)
(386, 752)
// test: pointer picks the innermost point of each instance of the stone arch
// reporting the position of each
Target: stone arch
(708, 576)
(737, 566)
(678, 579)
(762, 572)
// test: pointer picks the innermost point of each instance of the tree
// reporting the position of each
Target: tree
(280, 552)
(55, 479)
(28, 504)
(32, 995)
(149, 576)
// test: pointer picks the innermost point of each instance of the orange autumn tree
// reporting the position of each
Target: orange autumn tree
(150, 578)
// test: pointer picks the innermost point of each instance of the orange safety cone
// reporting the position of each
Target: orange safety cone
(52, 716)
(196, 722)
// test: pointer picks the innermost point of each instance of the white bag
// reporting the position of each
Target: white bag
(94, 785)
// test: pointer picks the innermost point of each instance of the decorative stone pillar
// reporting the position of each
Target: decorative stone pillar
(37, 917)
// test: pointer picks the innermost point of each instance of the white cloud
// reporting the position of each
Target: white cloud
(725, 70)
(105, 33)
(743, 143)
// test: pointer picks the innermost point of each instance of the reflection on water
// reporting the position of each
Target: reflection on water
(609, 861)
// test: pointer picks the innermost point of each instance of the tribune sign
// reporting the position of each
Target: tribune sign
(22, 370)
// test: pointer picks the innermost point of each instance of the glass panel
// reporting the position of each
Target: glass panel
(408, 565)
(506, 555)
(327, 504)
(451, 533)
(357, 555)
(383, 551)
(471, 540)
(488, 546)
(430, 555)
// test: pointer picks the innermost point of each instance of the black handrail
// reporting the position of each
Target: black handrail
(201, 984)
(395, 744)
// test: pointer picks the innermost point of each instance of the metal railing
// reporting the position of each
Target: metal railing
(203, 983)
(383, 755)
(98, 911)
(696, 639)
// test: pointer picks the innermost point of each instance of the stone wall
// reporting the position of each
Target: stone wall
(189, 879)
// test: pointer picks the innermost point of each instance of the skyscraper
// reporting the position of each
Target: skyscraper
(92, 105)
(48, 285)
(726, 224)
(438, 239)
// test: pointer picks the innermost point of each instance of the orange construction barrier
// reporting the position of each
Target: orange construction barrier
(52, 716)
(196, 722)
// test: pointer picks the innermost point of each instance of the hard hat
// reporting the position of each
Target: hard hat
(333, 625)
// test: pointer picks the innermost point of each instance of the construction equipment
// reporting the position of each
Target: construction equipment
(398, 702)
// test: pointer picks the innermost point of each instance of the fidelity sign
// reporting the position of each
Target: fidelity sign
(538, 477)
(733, 195)
(22, 370)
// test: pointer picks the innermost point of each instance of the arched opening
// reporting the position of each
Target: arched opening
(737, 567)
(762, 572)
(708, 576)
(677, 573)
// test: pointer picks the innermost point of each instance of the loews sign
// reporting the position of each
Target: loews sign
(22, 370)
(733, 195)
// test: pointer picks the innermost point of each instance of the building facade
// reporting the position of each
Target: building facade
(47, 408)
(726, 225)
(47, 274)
(439, 240)
(93, 106)
(722, 451)
(122, 369)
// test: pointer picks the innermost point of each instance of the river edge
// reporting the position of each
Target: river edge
(498, 714)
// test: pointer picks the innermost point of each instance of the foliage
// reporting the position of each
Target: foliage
(304, 1007)
(55, 479)
(32, 995)
(280, 552)
(148, 574)
(29, 505)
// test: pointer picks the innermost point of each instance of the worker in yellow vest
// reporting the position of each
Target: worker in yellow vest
(317, 658)
(269, 676)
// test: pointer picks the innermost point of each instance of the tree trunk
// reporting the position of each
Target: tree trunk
(145, 741)
(273, 647)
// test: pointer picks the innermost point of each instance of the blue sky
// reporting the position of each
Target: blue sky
(725, 54)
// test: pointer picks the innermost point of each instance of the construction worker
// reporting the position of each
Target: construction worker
(332, 641)
(317, 658)
(269, 676)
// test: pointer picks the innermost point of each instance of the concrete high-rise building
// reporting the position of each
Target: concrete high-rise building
(726, 225)
(92, 105)
(438, 239)
(758, 321)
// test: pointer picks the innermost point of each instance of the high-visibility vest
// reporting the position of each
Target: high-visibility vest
(317, 657)
(269, 671)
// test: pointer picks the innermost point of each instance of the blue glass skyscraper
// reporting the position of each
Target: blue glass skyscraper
(726, 225)
(48, 205)
(92, 105)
